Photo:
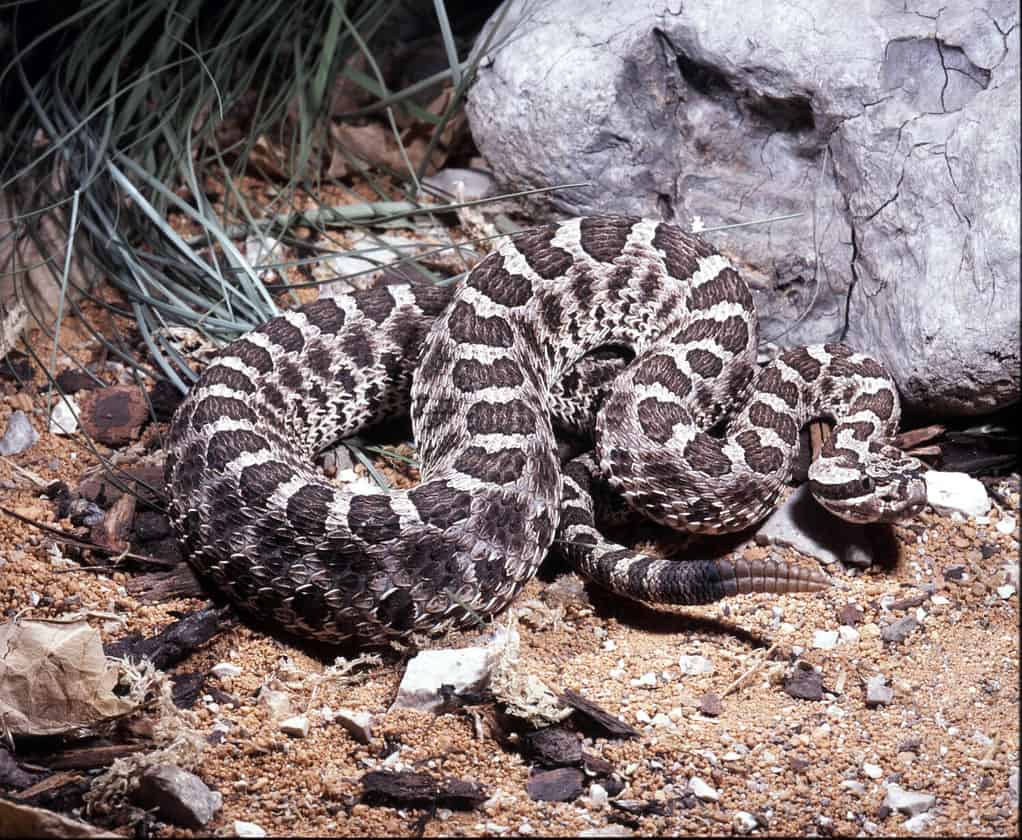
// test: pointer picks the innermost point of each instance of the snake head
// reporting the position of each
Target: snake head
(887, 487)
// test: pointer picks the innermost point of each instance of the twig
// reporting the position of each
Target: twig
(750, 672)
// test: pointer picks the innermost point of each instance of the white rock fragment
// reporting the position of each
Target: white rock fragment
(662, 721)
(598, 796)
(248, 829)
(225, 669)
(694, 665)
(848, 634)
(20, 434)
(1006, 591)
(701, 790)
(856, 787)
(1013, 783)
(296, 726)
(612, 830)
(955, 492)
(825, 639)
(911, 803)
(1005, 525)
(647, 680)
(277, 703)
(917, 825)
(878, 693)
(64, 417)
(743, 822)
(464, 669)
(872, 770)
(359, 724)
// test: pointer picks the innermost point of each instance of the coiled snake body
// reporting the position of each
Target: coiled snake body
(487, 371)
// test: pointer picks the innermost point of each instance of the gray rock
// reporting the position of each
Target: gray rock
(802, 523)
(898, 631)
(358, 724)
(19, 435)
(878, 693)
(893, 130)
(179, 797)
(908, 802)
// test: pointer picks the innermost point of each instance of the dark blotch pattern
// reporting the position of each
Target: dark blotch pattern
(704, 363)
(763, 459)
(211, 409)
(468, 327)
(258, 481)
(283, 334)
(498, 284)
(545, 259)
(659, 418)
(664, 369)
(682, 251)
(726, 286)
(470, 375)
(376, 304)
(495, 467)
(372, 519)
(439, 505)
(510, 418)
(771, 382)
(806, 366)
(224, 447)
(253, 356)
(324, 314)
(307, 509)
(733, 334)
(708, 453)
(228, 377)
(764, 416)
(604, 237)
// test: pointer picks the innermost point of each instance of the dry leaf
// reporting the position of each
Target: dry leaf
(55, 678)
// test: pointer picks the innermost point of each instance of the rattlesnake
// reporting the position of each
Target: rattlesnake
(486, 369)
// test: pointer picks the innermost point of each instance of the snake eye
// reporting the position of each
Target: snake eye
(867, 484)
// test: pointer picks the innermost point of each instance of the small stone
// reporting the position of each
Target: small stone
(598, 795)
(743, 822)
(850, 614)
(464, 670)
(950, 492)
(562, 785)
(898, 631)
(1006, 591)
(917, 825)
(1005, 525)
(64, 417)
(358, 724)
(856, 787)
(296, 726)
(956, 573)
(825, 639)
(19, 435)
(248, 829)
(874, 771)
(611, 830)
(277, 703)
(647, 680)
(225, 669)
(908, 802)
(877, 691)
(179, 797)
(701, 790)
(114, 415)
(1013, 783)
(848, 634)
(711, 705)
(553, 746)
(694, 665)
(804, 682)
(662, 721)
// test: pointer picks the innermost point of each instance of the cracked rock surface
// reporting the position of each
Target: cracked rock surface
(894, 130)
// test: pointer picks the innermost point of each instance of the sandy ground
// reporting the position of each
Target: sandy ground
(796, 766)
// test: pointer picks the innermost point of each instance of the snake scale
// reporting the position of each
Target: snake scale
(689, 432)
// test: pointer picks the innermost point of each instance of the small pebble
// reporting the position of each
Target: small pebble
(848, 634)
(1005, 525)
(711, 705)
(248, 829)
(296, 727)
(877, 691)
(825, 639)
(908, 802)
(1005, 591)
(647, 680)
(872, 770)
(855, 786)
(898, 631)
(701, 790)
(694, 665)
(20, 434)
(743, 822)
(226, 669)
(64, 417)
